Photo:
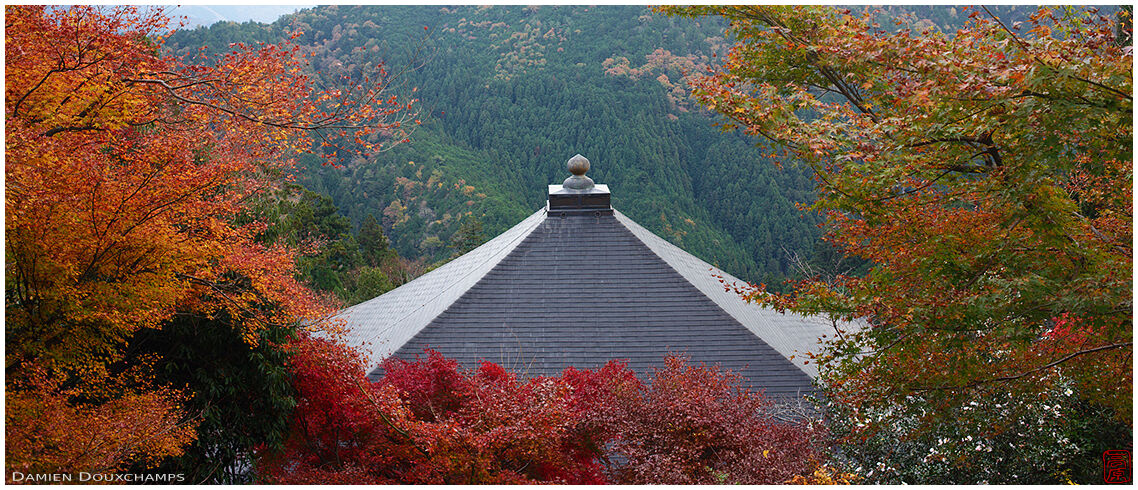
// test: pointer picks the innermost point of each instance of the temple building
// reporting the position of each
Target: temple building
(577, 284)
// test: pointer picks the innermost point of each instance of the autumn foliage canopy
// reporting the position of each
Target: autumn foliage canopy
(985, 173)
(124, 170)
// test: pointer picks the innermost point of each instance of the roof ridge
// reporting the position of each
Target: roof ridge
(496, 248)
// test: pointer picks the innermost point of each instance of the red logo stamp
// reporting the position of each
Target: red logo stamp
(1116, 466)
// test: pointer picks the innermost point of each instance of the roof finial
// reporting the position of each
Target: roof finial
(578, 165)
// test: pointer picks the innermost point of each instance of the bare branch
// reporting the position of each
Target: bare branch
(1030, 372)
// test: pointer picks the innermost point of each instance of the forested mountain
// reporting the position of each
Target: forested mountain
(515, 91)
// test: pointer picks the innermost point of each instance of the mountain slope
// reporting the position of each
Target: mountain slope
(515, 91)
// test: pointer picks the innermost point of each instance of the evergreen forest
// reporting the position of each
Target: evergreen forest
(511, 93)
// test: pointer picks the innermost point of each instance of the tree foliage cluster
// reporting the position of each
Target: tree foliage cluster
(143, 313)
(346, 267)
(985, 175)
(430, 421)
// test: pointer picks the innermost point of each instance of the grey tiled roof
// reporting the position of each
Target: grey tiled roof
(576, 290)
(381, 325)
(790, 334)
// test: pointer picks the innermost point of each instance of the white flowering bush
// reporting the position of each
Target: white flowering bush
(995, 439)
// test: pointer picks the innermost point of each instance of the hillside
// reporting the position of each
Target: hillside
(204, 15)
(514, 92)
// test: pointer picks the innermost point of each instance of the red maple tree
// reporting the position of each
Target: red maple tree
(124, 170)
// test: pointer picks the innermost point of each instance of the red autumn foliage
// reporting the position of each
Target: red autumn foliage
(47, 433)
(430, 386)
(694, 424)
(428, 421)
(344, 428)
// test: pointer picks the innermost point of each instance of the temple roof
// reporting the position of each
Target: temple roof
(576, 284)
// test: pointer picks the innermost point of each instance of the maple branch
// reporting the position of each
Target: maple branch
(842, 87)
(149, 215)
(821, 175)
(60, 129)
(1064, 359)
(985, 141)
(388, 422)
(881, 349)
(822, 88)
(1023, 46)
(172, 90)
(16, 106)
(79, 65)
(69, 95)
(1119, 246)
(761, 132)
(967, 169)
(122, 203)
(957, 139)
(217, 289)
(914, 190)
(847, 91)
(1081, 100)
(991, 259)
(1024, 374)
